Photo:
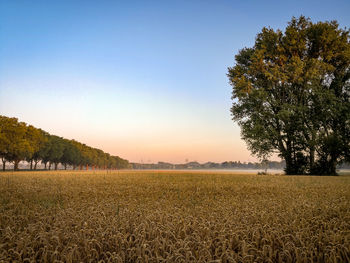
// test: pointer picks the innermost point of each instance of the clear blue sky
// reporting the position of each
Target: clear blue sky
(145, 80)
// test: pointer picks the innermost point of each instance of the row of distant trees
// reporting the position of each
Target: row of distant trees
(22, 142)
(211, 165)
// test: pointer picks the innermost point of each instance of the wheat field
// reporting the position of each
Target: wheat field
(173, 217)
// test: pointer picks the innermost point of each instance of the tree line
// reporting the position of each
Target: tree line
(291, 95)
(210, 165)
(22, 142)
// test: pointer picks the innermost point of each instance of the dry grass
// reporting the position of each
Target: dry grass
(173, 217)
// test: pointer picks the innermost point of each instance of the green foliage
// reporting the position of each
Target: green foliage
(71, 154)
(38, 139)
(17, 140)
(291, 95)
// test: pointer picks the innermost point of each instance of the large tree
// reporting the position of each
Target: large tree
(54, 151)
(291, 95)
(42, 153)
(17, 141)
(71, 154)
(5, 142)
(37, 140)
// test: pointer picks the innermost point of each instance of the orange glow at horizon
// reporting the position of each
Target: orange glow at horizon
(153, 151)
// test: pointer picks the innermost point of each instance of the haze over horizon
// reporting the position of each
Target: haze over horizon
(142, 80)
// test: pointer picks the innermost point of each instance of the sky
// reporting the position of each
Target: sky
(144, 80)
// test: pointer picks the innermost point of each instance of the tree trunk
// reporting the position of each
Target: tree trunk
(312, 144)
(35, 164)
(288, 158)
(3, 163)
(15, 167)
(312, 160)
(31, 164)
(56, 166)
(65, 166)
(333, 170)
(289, 164)
(45, 165)
(330, 167)
(49, 165)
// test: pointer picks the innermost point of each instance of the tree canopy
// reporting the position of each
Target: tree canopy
(19, 141)
(291, 95)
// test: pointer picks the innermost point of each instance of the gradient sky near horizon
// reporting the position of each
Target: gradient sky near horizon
(144, 80)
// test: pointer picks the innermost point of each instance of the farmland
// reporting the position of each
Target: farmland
(151, 216)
